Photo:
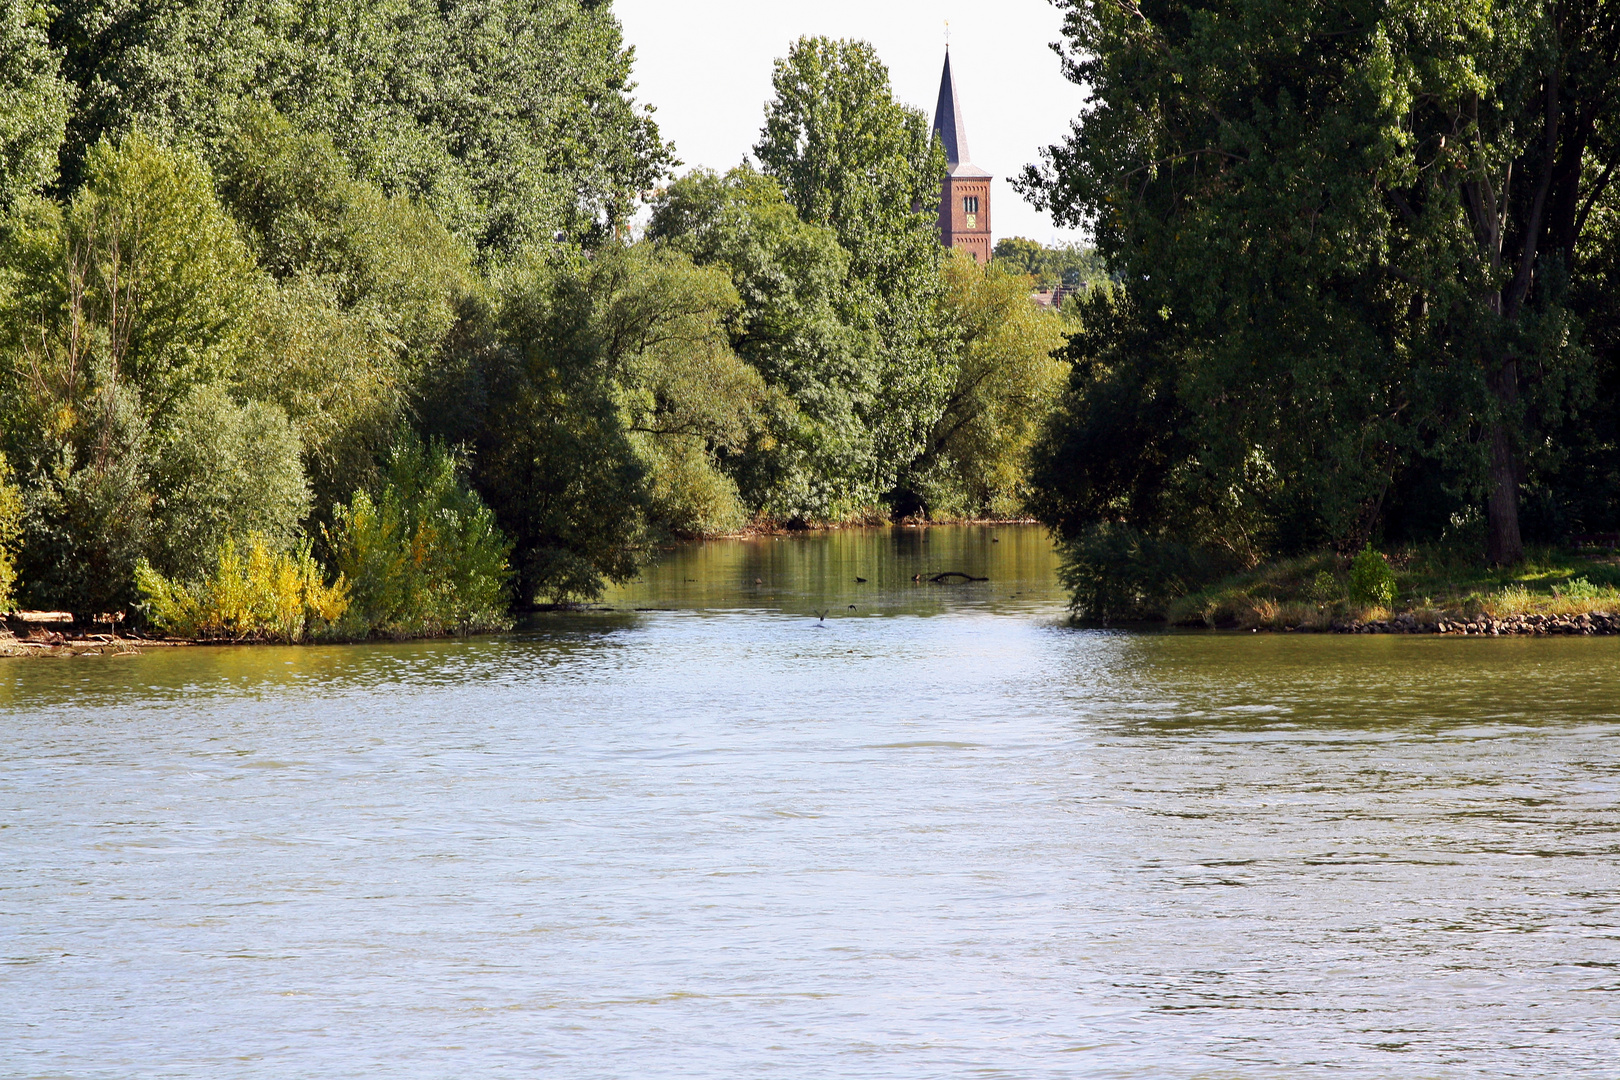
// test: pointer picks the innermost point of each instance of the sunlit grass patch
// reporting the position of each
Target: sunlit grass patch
(1432, 583)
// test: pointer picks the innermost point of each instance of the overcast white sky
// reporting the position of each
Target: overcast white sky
(706, 65)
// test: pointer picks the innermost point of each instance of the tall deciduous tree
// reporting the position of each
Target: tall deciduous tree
(1356, 222)
(513, 118)
(119, 307)
(813, 460)
(33, 102)
(851, 157)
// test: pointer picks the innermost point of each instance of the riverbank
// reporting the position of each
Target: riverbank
(1437, 590)
(62, 645)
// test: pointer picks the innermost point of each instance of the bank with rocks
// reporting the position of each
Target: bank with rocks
(1506, 626)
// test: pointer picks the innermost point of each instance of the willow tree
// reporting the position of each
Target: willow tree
(1352, 224)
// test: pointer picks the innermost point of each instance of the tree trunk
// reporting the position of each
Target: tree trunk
(1503, 546)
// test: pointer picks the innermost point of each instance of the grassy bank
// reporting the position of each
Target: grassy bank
(1433, 584)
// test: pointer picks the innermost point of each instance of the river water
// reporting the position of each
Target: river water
(935, 834)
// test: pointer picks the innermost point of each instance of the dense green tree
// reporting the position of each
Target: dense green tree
(513, 119)
(812, 459)
(1117, 475)
(33, 102)
(221, 472)
(1005, 384)
(598, 393)
(367, 289)
(116, 309)
(1021, 255)
(849, 156)
(143, 274)
(1349, 229)
(553, 457)
(660, 323)
(88, 505)
(1576, 489)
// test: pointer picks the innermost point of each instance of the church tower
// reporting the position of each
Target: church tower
(964, 198)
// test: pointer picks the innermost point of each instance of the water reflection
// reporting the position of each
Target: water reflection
(885, 571)
(731, 839)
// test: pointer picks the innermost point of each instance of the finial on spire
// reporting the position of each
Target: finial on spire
(947, 35)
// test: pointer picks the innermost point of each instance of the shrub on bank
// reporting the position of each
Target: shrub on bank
(1116, 573)
(11, 510)
(420, 558)
(257, 595)
(1372, 582)
(423, 557)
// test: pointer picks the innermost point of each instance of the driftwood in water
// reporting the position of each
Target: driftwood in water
(940, 579)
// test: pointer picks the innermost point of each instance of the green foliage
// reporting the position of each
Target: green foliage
(1313, 215)
(812, 457)
(600, 394)
(424, 557)
(1324, 588)
(687, 496)
(388, 260)
(553, 456)
(1118, 574)
(117, 309)
(88, 508)
(11, 513)
(1371, 579)
(1581, 589)
(850, 157)
(223, 471)
(1066, 264)
(1006, 383)
(165, 276)
(659, 323)
(33, 102)
(511, 118)
(262, 595)
(1121, 447)
(142, 282)
(845, 152)
(367, 290)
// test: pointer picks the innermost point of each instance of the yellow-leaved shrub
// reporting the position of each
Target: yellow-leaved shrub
(257, 595)
(11, 511)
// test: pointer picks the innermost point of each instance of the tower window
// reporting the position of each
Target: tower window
(970, 204)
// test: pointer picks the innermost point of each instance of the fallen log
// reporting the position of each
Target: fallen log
(940, 579)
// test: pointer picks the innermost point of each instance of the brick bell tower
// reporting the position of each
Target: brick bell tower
(964, 198)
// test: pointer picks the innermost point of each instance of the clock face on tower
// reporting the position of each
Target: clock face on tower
(973, 221)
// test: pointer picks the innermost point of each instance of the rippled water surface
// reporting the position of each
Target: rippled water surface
(935, 834)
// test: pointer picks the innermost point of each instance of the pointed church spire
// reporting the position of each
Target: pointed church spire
(948, 122)
(951, 127)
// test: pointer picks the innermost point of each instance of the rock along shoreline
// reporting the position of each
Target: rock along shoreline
(1489, 626)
